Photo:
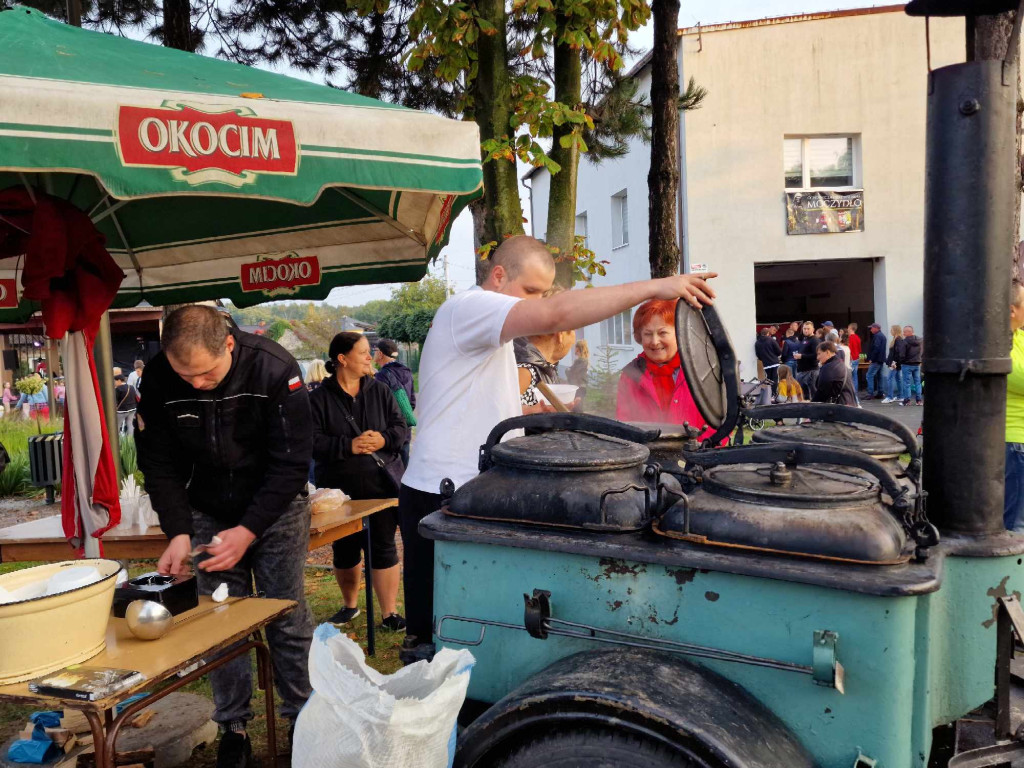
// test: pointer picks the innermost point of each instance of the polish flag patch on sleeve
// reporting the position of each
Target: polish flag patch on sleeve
(294, 383)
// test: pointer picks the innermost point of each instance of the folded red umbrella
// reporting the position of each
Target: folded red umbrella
(68, 270)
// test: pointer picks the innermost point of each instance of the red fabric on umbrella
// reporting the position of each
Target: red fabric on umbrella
(68, 270)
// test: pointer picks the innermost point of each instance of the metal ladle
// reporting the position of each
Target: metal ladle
(150, 620)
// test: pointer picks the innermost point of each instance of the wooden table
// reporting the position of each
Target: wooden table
(211, 629)
(43, 540)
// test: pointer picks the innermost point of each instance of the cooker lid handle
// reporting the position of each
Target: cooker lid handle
(576, 422)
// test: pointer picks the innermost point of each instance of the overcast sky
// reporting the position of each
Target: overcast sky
(460, 249)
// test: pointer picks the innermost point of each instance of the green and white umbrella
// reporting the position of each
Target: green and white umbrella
(215, 180)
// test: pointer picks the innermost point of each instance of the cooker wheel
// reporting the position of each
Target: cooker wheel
(597, 748)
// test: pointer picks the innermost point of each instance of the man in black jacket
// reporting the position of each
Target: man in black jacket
(876, 361)
(395, 376)
(767, 350)
(835, 385)
(225, 440)
(910, 365)
(806, 360)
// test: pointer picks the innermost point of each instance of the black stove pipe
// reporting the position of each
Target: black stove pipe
(969, 199)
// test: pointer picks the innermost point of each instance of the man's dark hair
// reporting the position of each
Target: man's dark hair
(388, 348)
(194, 327)
(827, 346)
(765, 332)
(120, 377)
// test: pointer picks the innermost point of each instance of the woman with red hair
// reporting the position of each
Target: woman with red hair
(652, 388)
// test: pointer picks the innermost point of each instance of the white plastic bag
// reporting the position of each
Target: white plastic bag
(359, 718)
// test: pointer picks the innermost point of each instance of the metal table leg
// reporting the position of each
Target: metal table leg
(370, 629)
(106, 754)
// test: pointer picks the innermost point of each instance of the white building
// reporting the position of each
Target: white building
(819, 102)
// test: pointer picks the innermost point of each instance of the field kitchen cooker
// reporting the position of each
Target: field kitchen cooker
(785, 603)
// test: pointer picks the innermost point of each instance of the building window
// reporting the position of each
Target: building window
(620, 219)
(581, 227)
(820, 162)
(618, 330)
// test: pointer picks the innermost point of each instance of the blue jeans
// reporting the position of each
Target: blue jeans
(875, 379)
(792, 367)
(894, 383)
(1013, 501)
(912, 382)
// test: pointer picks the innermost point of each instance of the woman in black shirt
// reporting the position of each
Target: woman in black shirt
(358, 434)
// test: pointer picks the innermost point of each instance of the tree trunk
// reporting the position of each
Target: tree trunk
(492, 92)
(568, 74)
(178, 25)
(988, 38)
(663, 178)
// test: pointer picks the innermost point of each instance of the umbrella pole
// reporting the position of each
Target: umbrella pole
(105, 375)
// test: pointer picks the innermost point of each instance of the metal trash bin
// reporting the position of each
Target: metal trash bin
(46, 461)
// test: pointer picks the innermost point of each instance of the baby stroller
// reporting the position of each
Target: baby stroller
(754, 393)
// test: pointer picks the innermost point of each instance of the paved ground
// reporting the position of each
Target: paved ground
(908, 415)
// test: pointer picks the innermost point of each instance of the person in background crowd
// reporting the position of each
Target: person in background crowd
(806, 360)
(894, 380)
(790, 344)
(828, 325)
(537, 359)
(1013, 500)
(855, 349)
(315, 375)
(834, 384)
(358, 434)
(225, 438)
(876, 362)
(398, 378)
(910, 365)
(843, 338)
(8, 398)
(468, 367)
(127, 398)
(652, 387)
(37, 405)
(790, 390)
(768, 352)
(580, 368)
(59, 395)
(135, 377)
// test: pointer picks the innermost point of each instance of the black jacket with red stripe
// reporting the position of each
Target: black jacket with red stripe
(239, 453)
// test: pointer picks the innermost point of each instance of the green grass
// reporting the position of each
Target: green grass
(324, 599)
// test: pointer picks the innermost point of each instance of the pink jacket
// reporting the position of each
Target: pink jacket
(637, 400)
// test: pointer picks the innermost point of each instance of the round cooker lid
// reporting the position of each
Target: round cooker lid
(709, 364)
(798, 486)
(874, 442)
(569, 451)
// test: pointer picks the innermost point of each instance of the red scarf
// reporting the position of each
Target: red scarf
(663, 375)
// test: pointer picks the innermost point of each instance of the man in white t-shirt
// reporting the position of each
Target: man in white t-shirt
(469, 383)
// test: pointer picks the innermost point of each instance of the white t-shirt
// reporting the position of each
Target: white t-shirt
(468, 383)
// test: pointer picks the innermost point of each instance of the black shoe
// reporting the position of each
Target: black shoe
(344, 616)
(235, 750)
(393, 622)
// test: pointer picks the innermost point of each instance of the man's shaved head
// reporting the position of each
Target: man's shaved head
(513, 254)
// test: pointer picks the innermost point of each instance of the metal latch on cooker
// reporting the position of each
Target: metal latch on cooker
(826, 668)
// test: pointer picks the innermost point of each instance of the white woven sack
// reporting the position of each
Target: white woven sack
(359, 718)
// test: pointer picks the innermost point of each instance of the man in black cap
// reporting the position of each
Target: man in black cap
(876, 362)
(225, 440)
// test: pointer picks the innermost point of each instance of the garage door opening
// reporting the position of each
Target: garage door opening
(840, 291)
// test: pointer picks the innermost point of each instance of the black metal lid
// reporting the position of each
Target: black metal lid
(874, 442)
(798, 486)
(562, 451)
(709, 364)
